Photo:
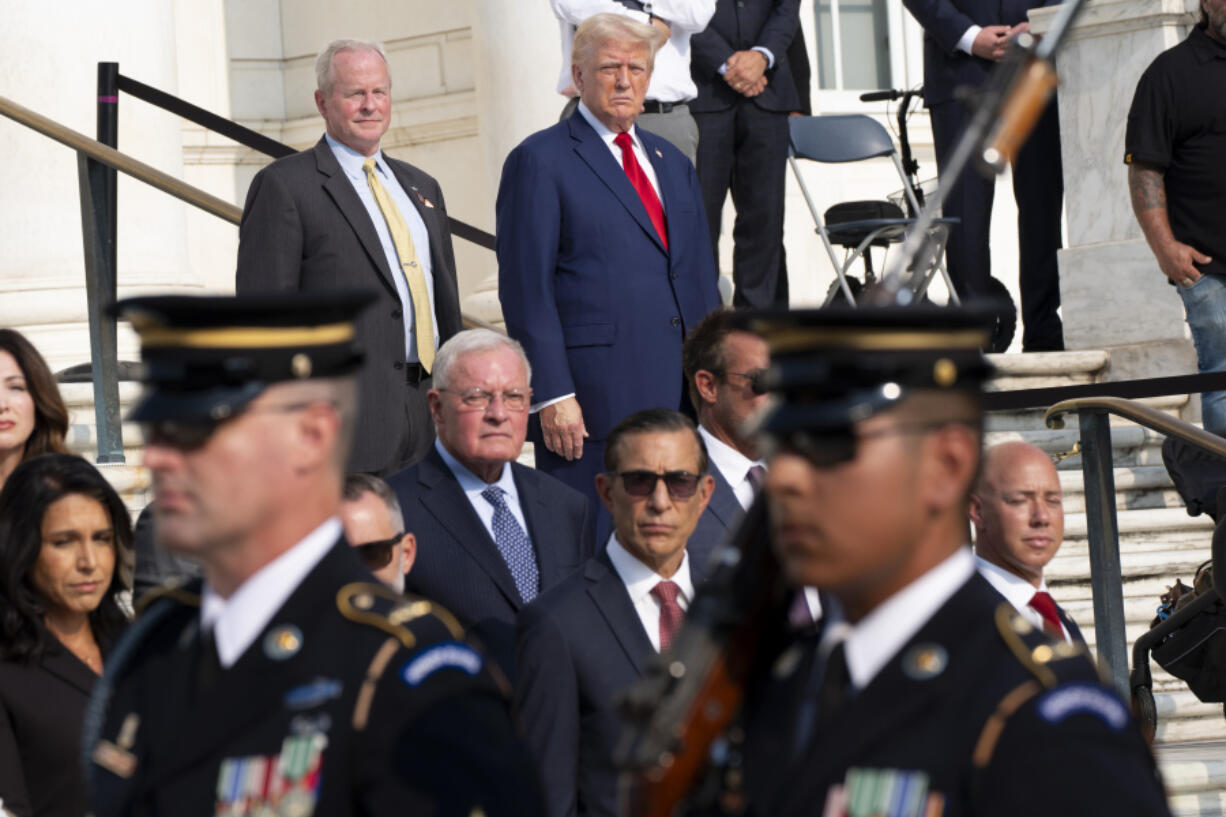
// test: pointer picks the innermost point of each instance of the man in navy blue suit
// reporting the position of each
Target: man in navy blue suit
(746, 89)
(491, 533)
(603, 253)
(590, 638)
(962, 41)
(1017, 509)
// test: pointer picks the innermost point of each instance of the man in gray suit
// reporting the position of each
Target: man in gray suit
(343, 215)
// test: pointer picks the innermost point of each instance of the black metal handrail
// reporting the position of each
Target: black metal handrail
(1102, 528)
(110, 82)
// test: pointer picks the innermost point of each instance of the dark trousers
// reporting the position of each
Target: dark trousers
(579, 474)
(1038, 188)
(744, 149)
(416, 434)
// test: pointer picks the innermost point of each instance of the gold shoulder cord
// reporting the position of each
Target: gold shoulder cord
(1012, 627)
(356, 602)
(172, 590)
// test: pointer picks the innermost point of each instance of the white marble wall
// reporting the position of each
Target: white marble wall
(48, 59)
(1112, 291)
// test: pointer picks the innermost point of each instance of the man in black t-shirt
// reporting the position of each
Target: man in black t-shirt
(1174, 146)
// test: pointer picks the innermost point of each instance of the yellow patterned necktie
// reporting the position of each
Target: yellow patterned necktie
(423, 321)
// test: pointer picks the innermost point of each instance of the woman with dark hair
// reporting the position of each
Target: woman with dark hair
(33, 419)
(65, 538)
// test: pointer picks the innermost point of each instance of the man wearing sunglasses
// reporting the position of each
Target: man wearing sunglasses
(724, 368)
(924, 680)
(589, 639)
(492, 534)
(287, 681)
(374, 527)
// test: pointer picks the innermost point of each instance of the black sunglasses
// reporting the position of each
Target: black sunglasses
(756, 378)
(826, 450)
(680, 484)
(378, 554)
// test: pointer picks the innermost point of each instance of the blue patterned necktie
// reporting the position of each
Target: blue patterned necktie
(514, 546)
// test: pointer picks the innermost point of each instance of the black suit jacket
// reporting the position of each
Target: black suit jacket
(717, 523)
(384, 699)
(578, 647)
(305, 229)
(42, 707)
(944, 22)
(739, 25)
(458, 564)
(1066, 745)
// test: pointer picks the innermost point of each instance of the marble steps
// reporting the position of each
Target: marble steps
(1195, 777)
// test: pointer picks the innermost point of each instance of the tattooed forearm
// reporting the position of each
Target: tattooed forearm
(1146, 187)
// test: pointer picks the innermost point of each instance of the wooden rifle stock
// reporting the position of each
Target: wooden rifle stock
(1020, 110)
(692, 692)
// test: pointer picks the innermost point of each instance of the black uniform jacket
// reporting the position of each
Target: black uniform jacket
(352, 701)
(978, 714)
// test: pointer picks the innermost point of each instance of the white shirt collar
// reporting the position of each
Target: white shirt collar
(1014, 588)
(238, 620)
(731, 463)
(603, 130)
(640, 579)
(871, 643)
(351, 161)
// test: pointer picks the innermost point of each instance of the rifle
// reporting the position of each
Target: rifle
(691, 693)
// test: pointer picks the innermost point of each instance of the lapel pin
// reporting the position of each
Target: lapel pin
(659, 154)
(925, 661)
(425, 201)
(282, 642)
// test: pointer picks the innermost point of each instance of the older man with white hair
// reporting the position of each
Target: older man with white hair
(492, 534)
(345, 215)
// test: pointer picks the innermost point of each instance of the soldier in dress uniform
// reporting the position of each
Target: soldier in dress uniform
(927, 695)
(287, 682)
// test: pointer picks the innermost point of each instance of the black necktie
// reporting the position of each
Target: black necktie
(827, 699)
(208, 664)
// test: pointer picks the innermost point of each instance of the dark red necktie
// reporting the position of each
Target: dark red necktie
(670, 612)
(642, 184)
(1046, 605)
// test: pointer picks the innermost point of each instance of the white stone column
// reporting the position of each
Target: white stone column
(48, 62)
(518, 56)
(1113, 294)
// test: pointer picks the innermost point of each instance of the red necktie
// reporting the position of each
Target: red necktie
(641, 184)
(1046, 605)
(670, 612)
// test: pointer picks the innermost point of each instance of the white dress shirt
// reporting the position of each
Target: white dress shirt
(733, 466)
(636, 143)
(238, 620)
(472, 486)
(877, 638)
(670, 76)
(1017, 591)
(640, 579)
(968, 39)
(351, 164)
